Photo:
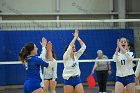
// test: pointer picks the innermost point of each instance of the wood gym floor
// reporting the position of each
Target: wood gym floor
(110, 89)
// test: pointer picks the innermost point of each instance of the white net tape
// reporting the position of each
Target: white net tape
(68, 24)
(61, 61)
(69, 21)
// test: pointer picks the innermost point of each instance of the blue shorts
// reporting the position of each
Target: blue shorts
(73, 81)
(31, 85)
(126, 80)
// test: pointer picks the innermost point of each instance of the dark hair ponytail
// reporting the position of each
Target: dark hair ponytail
(25, 52)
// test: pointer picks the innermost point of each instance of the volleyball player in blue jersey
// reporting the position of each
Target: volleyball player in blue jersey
(32, 63)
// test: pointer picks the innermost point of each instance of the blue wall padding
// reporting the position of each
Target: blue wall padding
(12, 41)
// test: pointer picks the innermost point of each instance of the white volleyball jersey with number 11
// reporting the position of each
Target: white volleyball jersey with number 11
(124, 66)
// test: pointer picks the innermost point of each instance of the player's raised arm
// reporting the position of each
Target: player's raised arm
(71, 45)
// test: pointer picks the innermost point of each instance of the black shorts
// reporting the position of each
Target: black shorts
(50, 79)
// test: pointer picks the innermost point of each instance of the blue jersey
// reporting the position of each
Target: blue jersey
(32, 65)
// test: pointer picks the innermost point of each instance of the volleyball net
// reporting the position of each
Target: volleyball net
(97, 35)
(68, 24)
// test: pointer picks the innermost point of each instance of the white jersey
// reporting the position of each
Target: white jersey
(71, 67)
(42, 56)
(51, 71)
(137, 72)
(124, 66)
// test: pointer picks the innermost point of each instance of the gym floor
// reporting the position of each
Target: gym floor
(110, 89)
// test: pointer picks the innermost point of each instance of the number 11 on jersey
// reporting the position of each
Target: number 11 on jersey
(122, 62)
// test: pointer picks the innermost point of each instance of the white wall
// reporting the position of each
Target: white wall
(66, 6)
(85, 6)
(49, 6)
(28, 6)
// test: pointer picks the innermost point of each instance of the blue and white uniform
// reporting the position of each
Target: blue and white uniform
(125, 73)
(33, 79)
(71, 72)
